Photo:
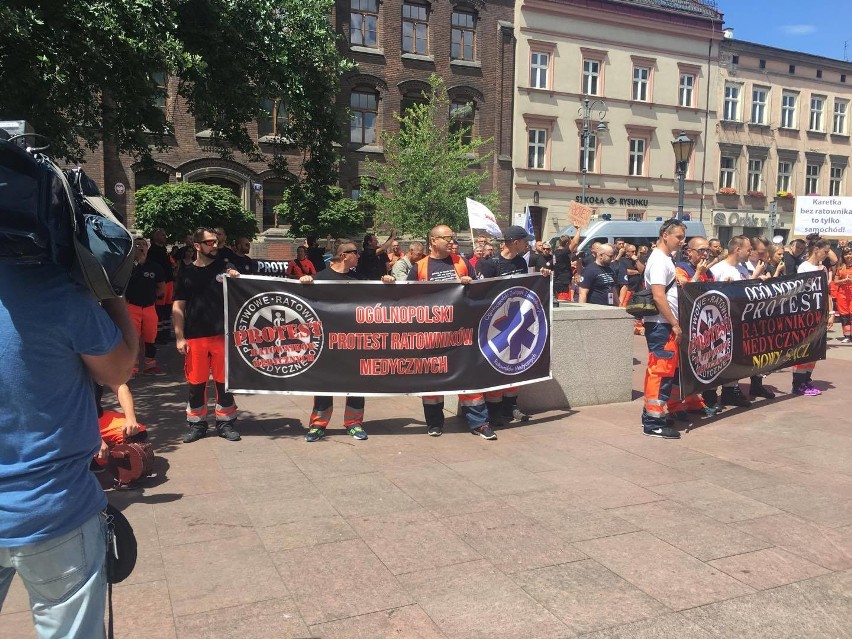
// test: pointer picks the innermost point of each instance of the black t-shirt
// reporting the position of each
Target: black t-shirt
(791, 263)
(159, 255)
(372, 265)
(330, 274)
(317, 257)
(599, 280)
(243, 264)
(563, 270)
(201, 288)
(442, 270)
(499, 265)
(142, 287)
(545, 260)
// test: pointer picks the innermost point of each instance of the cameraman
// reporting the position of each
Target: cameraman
(56, 339)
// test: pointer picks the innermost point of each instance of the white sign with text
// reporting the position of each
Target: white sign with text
(831, 217)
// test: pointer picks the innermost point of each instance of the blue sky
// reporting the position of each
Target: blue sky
(811, 26)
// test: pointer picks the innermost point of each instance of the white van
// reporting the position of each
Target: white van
(637, 233)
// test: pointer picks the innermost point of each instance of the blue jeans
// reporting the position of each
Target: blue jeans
(66, 580)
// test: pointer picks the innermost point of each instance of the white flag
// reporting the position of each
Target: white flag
(481, 218)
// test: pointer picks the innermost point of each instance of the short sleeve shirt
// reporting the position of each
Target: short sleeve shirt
(48, 422)
(599, 281)
(201, 289)
(660, 269)
(372, 265)
(499, 265)
(724, 272)
(142, 287)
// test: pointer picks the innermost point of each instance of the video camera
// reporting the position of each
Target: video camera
(51, 215)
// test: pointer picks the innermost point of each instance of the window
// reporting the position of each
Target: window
(788, 110)
(817, 104)
(641, 75)
(727, 172)
(792, 69)
(273, 195)
(811, 178)
(840, 108)
(785, 170)
(363, 22)
(758, 105)
(755, 175)
(843, 77)
(160, 80)
(464, 35)
(819, 73)
(539, 63)
(588, 153)
(461, 119)
(536, 148)
(732, 103)
(364, 111)
(835, 180)
(762, 64)
(686, 90)
(636, 159)
(735, 59)
(415, 29)
(591, 77)
(275, 123)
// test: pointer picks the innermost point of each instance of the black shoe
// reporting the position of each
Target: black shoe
(760, 391)
(664, 432)
(733, 396)
(846, 340)
(435, 430)
(315, 434)
(485, 432)
(496, 417)
(226, 430)
(516, 415)
(196, 432)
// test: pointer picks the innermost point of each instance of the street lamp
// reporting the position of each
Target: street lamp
(589, 107)
(682, 146)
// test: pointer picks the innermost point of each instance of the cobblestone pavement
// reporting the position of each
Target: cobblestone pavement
(572, 524)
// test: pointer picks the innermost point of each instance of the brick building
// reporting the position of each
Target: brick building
(397, 45)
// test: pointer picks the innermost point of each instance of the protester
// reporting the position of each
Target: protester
(817, 253)
(394, 255)
(373, 262)
(200, 336)
(400, 270)
(633, 269)
(157, 254)
(794, 256)
(300, 265)
(240, 260)
(662, 333)
(502, 404)
(776, 260)
(441, 266)
(315, 254)
(478, 252)
(147, 284)
(56, 339)
(563, 267)
(341, 268)
(545, 259)
(597, 281)
(843, 282)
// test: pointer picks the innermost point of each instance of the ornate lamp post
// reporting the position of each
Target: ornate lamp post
(682, 146)
(589, 108)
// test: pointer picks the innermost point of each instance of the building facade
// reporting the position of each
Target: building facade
(646, 68)
(397, 45)
(783, 130)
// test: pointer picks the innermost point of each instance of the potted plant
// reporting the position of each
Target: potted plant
(784, 195)
(727, 190)
(756, 194)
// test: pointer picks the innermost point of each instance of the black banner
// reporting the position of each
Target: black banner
(733, 330)
(370, 338)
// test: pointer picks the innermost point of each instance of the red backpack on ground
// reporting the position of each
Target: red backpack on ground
(129, 462)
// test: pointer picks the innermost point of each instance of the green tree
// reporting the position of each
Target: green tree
(86, 72)
(320, 210)
(180, 208)
(429, 169)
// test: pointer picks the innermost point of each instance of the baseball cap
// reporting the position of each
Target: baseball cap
(515, 232)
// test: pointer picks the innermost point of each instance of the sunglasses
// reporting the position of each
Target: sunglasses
(448, 238)
(209, 242)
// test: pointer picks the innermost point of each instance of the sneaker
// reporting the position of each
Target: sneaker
(153, 370)
(734, 397)
(760, 391)
(517, 416)
(435, 431)
(665, 432)
(806, 389)
(846, 340)
(226, 430)
(357, 432)
(315, 434)
(196, 432)
(485, 432)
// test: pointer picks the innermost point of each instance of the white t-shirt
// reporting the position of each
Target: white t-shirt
(807, 267)
(660, 269)
(724, 272)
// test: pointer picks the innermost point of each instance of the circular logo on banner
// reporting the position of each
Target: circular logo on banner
(119, 188)
(711, 338)
(513, 331)
(278, 334)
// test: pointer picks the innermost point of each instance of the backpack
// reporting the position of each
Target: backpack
(129, 462)
(51, 216)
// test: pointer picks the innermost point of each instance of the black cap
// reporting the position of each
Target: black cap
(517, 233)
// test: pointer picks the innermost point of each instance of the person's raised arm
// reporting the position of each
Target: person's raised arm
(384, 247)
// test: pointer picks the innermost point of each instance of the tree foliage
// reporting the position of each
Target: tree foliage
(320, 210)
(83, 72)
(428, 170)
(180, 208)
